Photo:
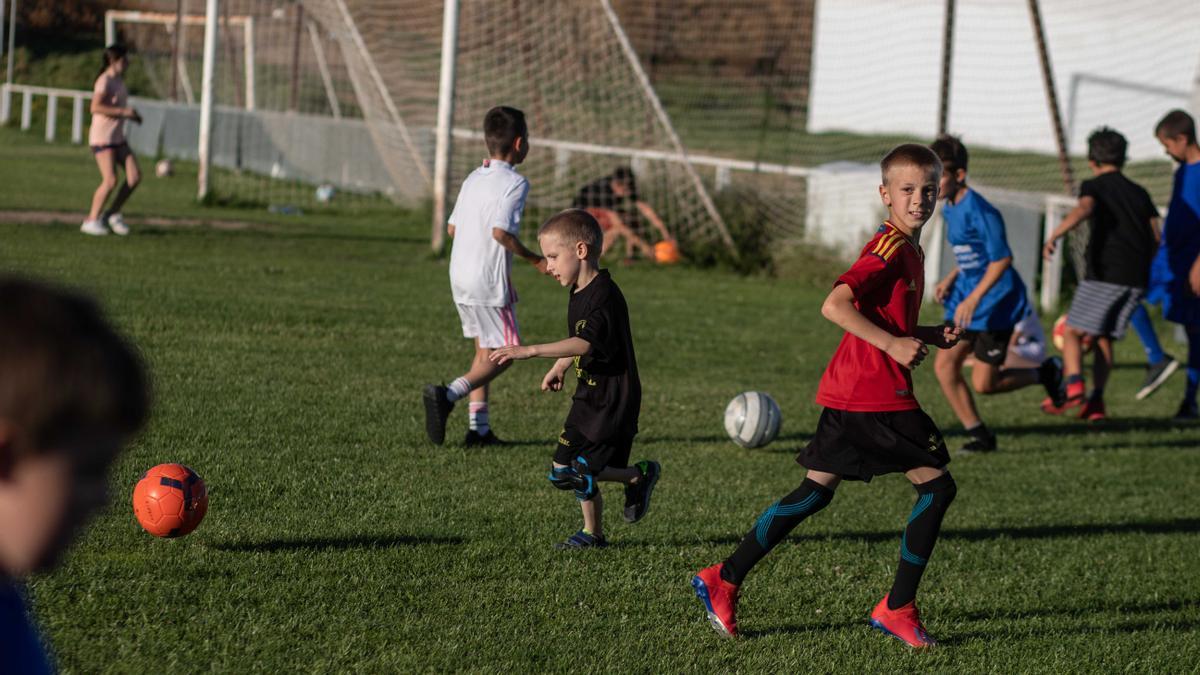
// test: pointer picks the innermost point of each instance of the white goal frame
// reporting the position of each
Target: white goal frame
(114, 16)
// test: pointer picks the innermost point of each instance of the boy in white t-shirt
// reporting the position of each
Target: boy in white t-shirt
(484, 226)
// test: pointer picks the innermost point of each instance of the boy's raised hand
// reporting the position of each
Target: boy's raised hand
(503, 355)
(907, 351)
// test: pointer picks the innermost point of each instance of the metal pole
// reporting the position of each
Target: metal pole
(12, 38)
(2, 33)
(172, 93)
(1064, 162)
(294, 97)
(445, 118)
(206, 97)
(947, 58)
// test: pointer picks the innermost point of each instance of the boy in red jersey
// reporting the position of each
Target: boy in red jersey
(872, 423)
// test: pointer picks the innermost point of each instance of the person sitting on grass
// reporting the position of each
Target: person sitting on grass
(1121, 247)
(106, 136)
(983, 295)
(871, 424)
(72, 393)
(597, 437)
(613, 201)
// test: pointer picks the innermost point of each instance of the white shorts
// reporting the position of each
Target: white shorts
(494, 326)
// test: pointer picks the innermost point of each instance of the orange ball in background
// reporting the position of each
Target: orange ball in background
(1058, 335)
(170, 500)
(666, 253)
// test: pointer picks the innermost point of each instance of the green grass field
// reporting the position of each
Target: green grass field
(287, 359)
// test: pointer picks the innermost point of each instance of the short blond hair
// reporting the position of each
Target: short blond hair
(573, 226)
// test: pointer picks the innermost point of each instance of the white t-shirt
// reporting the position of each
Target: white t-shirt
(492, 196)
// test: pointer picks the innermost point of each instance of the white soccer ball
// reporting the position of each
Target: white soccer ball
(325, 193)
(163, 168)
(752, 419)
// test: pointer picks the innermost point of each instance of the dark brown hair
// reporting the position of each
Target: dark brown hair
(112, 54)
(1177, 123)
(951, 151)
(1107, 146)
(66, 376)
(501, 126)
(575, 225)
(911, 154)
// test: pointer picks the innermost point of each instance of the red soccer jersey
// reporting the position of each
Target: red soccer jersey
(888, 280)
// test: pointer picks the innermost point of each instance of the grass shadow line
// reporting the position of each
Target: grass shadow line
(337, 543)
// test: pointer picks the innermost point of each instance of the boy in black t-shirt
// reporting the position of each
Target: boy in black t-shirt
(1121, 247)
(598, 434)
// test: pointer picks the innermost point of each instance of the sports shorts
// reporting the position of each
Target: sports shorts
(862, 445)
(121, 150)
(989, 346)
(1103, 309)
(494, 326)
(595, 457)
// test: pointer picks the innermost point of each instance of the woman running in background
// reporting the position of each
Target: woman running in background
(107, 138)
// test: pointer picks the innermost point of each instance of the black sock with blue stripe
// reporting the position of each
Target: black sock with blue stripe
(773, 526)
(916, 545)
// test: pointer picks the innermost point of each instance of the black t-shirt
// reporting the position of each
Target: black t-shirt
(599, 194)
(1121, 244)
(608, 396)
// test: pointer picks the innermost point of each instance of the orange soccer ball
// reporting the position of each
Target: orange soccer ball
(666, 253)
(170, 500)
(1058, 335)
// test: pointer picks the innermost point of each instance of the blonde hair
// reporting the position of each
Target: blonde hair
(573, 226)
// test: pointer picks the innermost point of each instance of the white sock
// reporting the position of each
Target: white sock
(479, 418)
(459, 388)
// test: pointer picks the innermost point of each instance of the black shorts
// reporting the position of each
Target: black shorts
(989, 346)
(572, 445)
(121, 149)
(862, 445)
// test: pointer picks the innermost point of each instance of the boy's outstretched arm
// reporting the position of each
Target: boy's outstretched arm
(509, 241)
(648, 212)
(569, 348)
(1072, 220)
(839, 308)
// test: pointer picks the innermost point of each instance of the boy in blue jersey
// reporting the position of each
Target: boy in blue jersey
(72, 392)
(984, 296)
(1181, 238)
(1120, 250)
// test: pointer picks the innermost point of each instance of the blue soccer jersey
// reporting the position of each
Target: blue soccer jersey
(20, 649)
(975, 230)
(1181, 239)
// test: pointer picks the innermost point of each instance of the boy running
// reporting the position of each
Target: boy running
(872, 424)
(484, 225)
(598, 435)
(1121, 247)
(1181, 239)
(984, 296)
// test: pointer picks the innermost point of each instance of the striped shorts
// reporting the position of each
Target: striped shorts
(494, 326)
(1101, 308)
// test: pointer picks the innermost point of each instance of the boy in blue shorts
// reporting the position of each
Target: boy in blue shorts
(872, 424)
(1181, 238)
(984, 296)
(74, 392)
(1120, 250)
(598, 435)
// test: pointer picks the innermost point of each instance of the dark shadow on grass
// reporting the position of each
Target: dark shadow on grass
(1078, 427)
(784, 442)
(337, 543)
(800, 628)
(1132, 619)
(1175, 526)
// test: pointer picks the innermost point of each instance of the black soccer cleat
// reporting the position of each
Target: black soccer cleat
(979, 444)
(581, 540)
(475, 439)
(1156, 375)
(1187, 412)
(1050, 374)
(437, 409)
(637, 497)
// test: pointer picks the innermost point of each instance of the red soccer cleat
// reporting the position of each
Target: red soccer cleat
(1093, 411)
(1049, 407)
(902, 623)
(719, 598)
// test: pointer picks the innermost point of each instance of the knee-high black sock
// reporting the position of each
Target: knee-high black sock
(933, 498)
(773, 525)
